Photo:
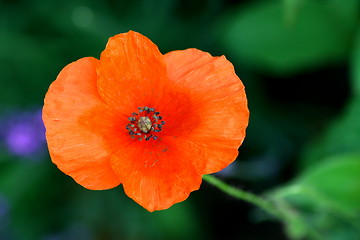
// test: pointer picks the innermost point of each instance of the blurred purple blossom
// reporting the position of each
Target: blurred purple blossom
(23, 133)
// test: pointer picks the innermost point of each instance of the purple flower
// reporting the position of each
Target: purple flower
(24, 133)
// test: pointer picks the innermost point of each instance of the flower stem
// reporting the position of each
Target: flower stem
(243, 195)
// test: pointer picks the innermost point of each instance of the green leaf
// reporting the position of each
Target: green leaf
(259, 36)
(355, 66)
(291, 8)
(346, 12)
(323, 202)
(337, 179)
(341, 136)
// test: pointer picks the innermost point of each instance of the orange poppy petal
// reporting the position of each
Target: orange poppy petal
(156, 176)
(218, 116)
(131, 71)
(206, 157)
(77, 123)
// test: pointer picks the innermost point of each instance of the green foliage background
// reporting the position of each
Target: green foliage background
(300, 63)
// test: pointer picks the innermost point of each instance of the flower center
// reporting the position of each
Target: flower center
(145, 123)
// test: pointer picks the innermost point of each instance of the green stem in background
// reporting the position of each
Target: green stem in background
(243, 195)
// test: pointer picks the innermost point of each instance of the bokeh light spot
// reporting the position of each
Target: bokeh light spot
(82, 16)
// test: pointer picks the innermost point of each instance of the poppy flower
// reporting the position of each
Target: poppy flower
(151, 122)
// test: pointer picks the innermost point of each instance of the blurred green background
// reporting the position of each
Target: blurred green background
(300, 63)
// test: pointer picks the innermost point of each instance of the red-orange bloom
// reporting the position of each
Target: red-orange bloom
(155, 123)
